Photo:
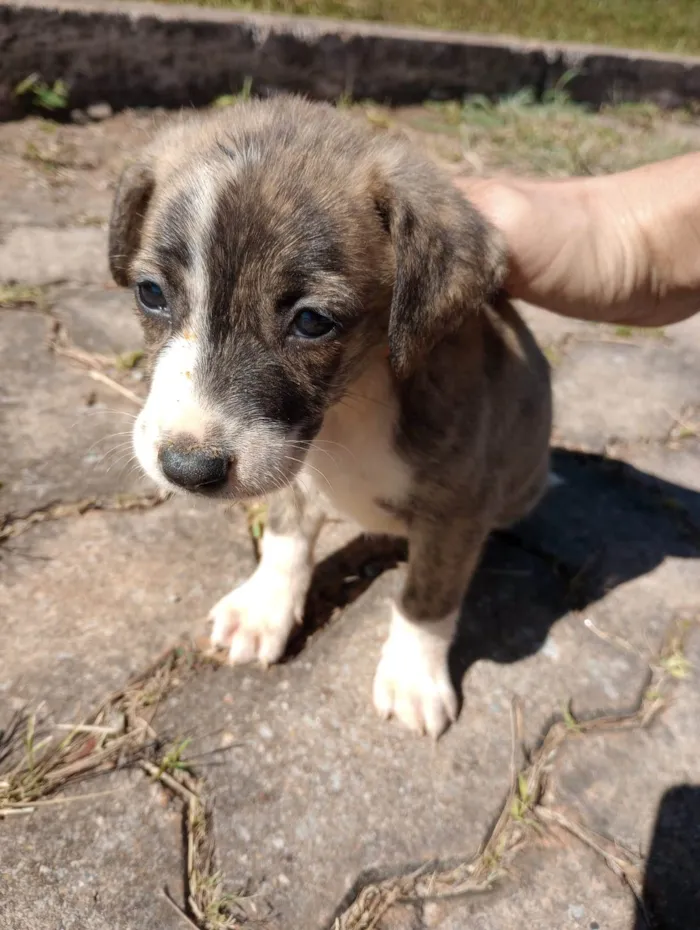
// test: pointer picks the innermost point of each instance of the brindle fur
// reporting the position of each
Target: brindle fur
(308, 201)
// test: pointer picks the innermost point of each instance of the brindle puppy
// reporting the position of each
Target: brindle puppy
(324, 325)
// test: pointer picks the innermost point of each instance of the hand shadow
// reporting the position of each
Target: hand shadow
(605, 524)
(671, 894)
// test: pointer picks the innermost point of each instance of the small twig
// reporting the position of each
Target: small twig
(628, 341)
(612, 640)
(158, 775)
(90, 360)
(115, 386)
(46, 802)
(516, 735)
(87, 728)
(625, 868)
(60, 343)
(684, 424)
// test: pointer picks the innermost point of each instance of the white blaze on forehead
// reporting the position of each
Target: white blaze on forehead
(173, 404)
(204, 188)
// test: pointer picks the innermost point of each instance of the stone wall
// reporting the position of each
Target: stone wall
(132, 54)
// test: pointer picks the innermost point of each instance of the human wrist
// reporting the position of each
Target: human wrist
(656, 213)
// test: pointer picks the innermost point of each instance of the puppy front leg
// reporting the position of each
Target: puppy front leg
(413, 681)
(256, 619)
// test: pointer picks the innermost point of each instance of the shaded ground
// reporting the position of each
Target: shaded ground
(567, 793)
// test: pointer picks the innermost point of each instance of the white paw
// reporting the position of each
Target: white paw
(412, 682)
(254, 621)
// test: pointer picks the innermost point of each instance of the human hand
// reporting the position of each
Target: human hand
(620, 248)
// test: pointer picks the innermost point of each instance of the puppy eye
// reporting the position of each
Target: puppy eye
(312, 325)
(151, 297)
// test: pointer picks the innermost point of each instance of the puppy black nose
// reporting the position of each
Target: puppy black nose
(194, 468)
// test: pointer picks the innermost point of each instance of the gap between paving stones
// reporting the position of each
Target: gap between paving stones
(37, 300)
(13, 525)
(35, 769)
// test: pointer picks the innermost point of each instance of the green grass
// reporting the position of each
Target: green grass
(554, 137)
(21, 296)
(46, 97)
(668, 25)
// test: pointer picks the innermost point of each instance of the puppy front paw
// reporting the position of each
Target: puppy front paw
(412, 682)
(254, 622)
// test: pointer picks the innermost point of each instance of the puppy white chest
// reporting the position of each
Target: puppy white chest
(353, 462)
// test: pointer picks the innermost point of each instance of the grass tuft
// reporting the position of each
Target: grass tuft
(129, 360)
(228, 100)
(552, 136)
(37, 766)
(44, 96)
(21, 297)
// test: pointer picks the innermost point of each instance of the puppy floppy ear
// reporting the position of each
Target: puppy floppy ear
(131, 200)
(449, 261)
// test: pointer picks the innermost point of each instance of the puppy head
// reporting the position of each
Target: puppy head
(275, 251)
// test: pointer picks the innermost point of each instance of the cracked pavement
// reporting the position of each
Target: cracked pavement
(323, 816)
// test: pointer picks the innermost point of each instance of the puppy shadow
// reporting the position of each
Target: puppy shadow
(671, 892)
(605, 523)
(341, 578)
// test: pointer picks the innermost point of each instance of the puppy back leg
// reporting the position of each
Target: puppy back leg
(256, 619)
(413, 682)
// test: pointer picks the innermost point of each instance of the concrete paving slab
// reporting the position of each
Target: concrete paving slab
(316, 791)
(63, 435)
(625, 390)
(88, 601)
(98, 319)
(643, 788)
(62, 176)
(551, 329)
(677, 466)
(35, 255)
(93, 863)
(314, 795)
(555, 886)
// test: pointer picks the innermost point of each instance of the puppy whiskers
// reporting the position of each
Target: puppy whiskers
(312, 467)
